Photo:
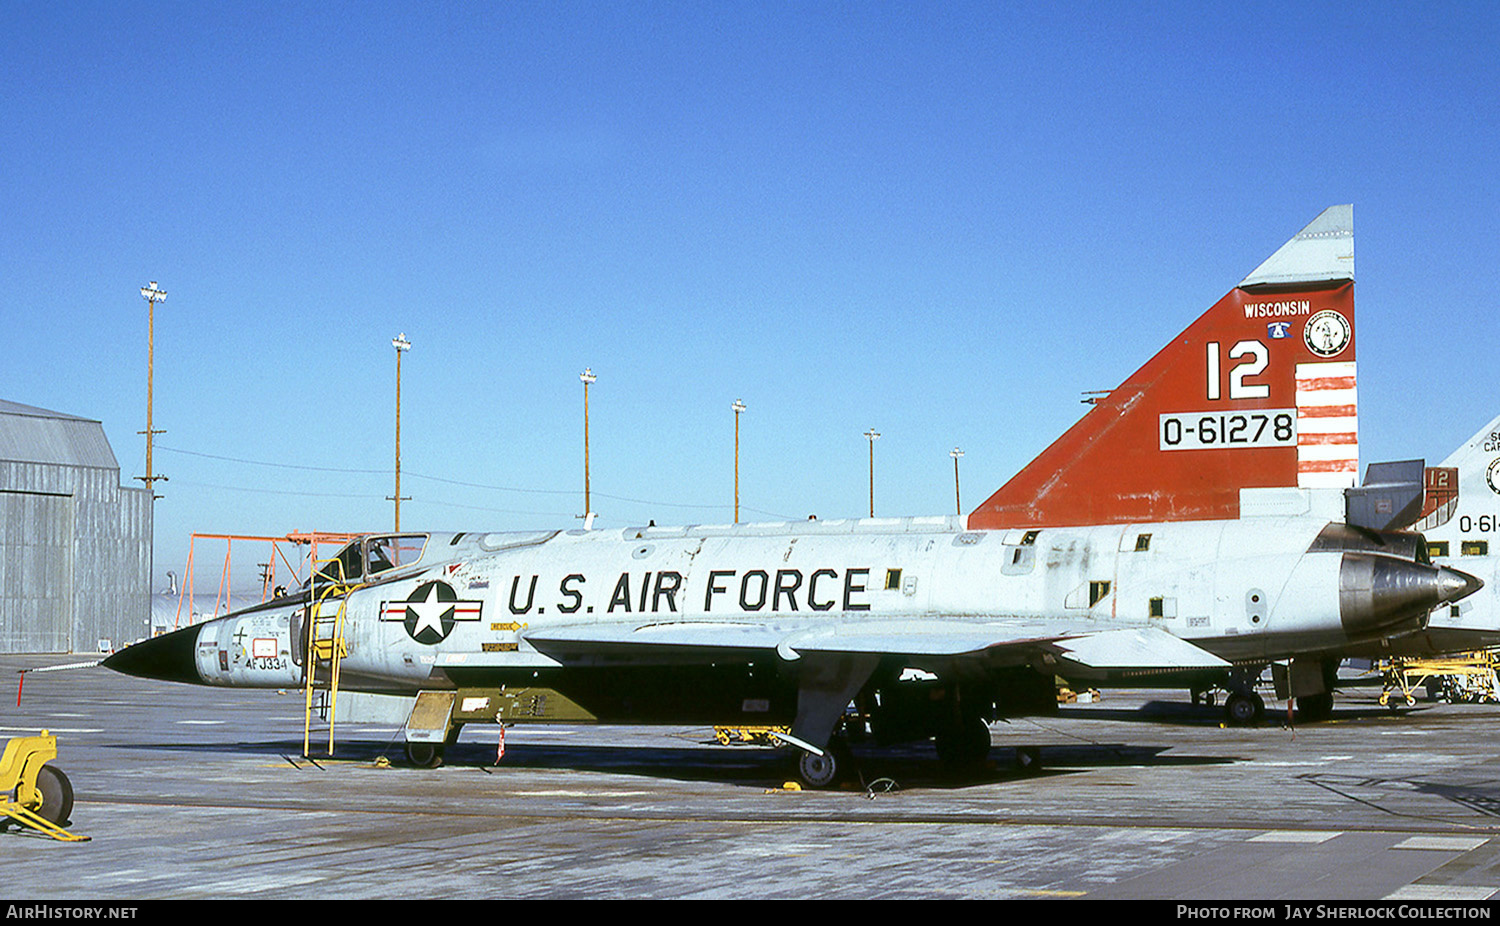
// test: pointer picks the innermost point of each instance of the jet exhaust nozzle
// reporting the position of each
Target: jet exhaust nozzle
(1457, 584)
(1379, 593)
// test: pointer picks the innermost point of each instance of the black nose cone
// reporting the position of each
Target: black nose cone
(170, 657)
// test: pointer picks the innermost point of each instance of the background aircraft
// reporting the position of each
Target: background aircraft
(1460, 520)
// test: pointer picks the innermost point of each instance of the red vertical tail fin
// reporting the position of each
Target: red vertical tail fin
(1258, 392)
(1467, 484)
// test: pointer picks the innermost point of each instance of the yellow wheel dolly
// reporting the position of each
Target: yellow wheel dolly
(35, 793)
(755, 736)
(1459, 677)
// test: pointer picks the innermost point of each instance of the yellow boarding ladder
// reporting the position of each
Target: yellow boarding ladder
(327, 608)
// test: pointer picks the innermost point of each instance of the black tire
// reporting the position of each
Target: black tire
(1028, 759)
(1243, 709)
(827, 770)
(57, 795)
(424, 755)
(1313, 708)
(964, 747)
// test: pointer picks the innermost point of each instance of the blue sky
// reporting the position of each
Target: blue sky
(942, 221)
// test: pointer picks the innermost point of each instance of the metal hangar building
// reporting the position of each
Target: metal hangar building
(75, 545)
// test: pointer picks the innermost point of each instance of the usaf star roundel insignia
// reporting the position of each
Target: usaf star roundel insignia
(1492, 475)
(1326, 333)
(430, 612)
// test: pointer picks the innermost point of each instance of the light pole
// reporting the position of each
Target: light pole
(958, 505)
(873, 435)
(739, 408)
(402, 345)
(588, 378)
(152, 294)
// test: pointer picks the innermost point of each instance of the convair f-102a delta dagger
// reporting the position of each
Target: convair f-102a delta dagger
(1124, 551)
(1460, 522)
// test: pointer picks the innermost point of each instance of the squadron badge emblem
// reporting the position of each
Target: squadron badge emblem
(1326, 333)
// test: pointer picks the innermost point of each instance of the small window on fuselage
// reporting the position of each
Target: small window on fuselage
(1098, 591)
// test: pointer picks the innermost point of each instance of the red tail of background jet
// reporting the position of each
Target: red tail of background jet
(1258, 392)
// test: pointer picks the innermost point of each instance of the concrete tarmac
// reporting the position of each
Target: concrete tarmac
(194, 792)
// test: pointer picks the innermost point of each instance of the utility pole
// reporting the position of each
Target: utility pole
(402, 345)
(588, 378)
(873, 435)
(152, 294)
(958, 505)
(739, 408)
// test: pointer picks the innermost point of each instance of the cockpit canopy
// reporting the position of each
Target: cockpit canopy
(365, 558)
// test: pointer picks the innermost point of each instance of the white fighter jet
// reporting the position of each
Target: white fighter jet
(1168, 531)
(1460, 521)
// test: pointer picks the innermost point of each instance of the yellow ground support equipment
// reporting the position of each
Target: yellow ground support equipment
(1459, 677)
(1066, 695)
(754, 736)
(36, 794)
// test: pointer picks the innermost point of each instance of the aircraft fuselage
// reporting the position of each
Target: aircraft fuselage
(738, 605)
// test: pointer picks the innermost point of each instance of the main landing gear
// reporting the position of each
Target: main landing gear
(828, 770)
(1312, 708)
(1244, 708)
(963, 747)
(1310, 684)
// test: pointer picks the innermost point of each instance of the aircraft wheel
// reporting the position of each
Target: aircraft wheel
(1315, 707)
(827, 770)
(424, 755)
(56, 793)
(1028, 759)
(965, 746)
(1244, 708)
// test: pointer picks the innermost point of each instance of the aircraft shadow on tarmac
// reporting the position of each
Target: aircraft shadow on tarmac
(1185, 714)
(904, 766)
(1480, 796)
